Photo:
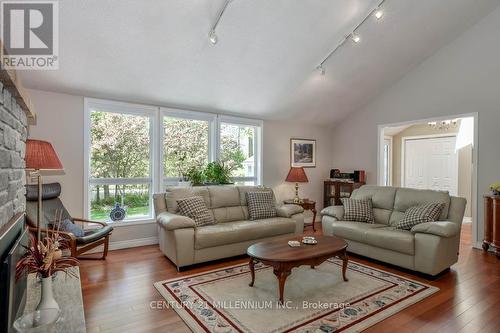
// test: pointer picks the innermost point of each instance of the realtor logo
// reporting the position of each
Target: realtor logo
(30, 35)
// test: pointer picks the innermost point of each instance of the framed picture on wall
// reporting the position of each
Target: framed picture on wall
(303, 153)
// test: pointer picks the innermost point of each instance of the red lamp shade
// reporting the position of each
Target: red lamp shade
(40, 155)
(297, 175)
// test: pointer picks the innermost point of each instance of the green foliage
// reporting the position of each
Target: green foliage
(196, 176)
(495, 187)
(131, 200)
(217, 173)
(185, 146)
(120, 145)
(120, 148)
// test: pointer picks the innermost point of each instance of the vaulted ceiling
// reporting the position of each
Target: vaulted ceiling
(158, 52)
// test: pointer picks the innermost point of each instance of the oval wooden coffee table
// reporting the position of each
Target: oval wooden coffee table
(282, 257)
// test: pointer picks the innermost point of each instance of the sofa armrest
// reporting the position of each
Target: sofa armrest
(334, 211)
(172, 221)
(438, 228)
(288, 210)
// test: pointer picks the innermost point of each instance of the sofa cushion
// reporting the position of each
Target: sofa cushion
(241, 231)
(229, 214)
(407, 197)
(196, 209)
(391, 238)
(261, 205)
(381, 215)
(224, 196)
(352, 230)
(358, 210)
(420, 214)
(174, 193)
(382, 197)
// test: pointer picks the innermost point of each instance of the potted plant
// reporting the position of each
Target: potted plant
(217, 173)
(45, 257)
(196, 176)
(495, 188)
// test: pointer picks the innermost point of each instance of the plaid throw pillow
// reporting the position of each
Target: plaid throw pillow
(261, 205)
(358, 210)
(195, 209)
(420, 214)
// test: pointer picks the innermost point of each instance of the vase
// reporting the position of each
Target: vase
(39, 321)
(47, 300)
(184, 183)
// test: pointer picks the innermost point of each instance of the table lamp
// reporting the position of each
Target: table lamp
(40, 156)
(296, 175)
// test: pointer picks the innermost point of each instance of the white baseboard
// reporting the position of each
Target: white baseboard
(467, 220)
(478, 245)
(125, 244)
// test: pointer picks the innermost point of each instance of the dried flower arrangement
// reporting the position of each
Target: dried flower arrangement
(45, 256)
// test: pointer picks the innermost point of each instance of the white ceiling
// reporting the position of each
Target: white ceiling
(157, 52)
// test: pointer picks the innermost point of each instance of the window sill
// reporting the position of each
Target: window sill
(119, 224)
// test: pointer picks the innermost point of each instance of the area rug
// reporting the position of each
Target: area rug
(316, 300)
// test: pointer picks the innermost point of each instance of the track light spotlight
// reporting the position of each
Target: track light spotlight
(378, 13)
(212, 37)
(321, 69)
(355, 38)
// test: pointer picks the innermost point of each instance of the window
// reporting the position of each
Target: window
(186, 142)
(133, 151)
(120, 163)
(239, 143)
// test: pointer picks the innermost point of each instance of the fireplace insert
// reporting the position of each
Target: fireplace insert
(13, 236)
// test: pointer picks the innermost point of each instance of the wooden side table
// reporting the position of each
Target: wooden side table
(307, 205)
(492, 223)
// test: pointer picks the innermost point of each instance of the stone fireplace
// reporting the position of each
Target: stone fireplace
(13, 134)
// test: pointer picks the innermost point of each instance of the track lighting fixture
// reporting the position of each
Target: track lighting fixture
(321, 69)
(212, 36)
(377, 12)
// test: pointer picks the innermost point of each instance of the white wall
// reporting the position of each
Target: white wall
(277, 136)
(60, 121)
(462, 77)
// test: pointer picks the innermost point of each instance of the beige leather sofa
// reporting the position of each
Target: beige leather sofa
(185, 245)
(429, 248)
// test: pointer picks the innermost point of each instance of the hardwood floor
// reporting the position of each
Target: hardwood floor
(117, 293)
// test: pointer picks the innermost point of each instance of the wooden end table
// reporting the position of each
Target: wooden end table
(492, 224)
(282, 257)
(307, 205)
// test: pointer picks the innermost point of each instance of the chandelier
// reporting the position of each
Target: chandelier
(444, 124)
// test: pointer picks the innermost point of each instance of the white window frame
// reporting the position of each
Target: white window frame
(151, 112)
(157, 180)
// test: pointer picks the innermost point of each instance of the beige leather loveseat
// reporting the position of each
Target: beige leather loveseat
(233, 233)
(429, 247)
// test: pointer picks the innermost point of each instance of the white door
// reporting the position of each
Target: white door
(431, 163)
